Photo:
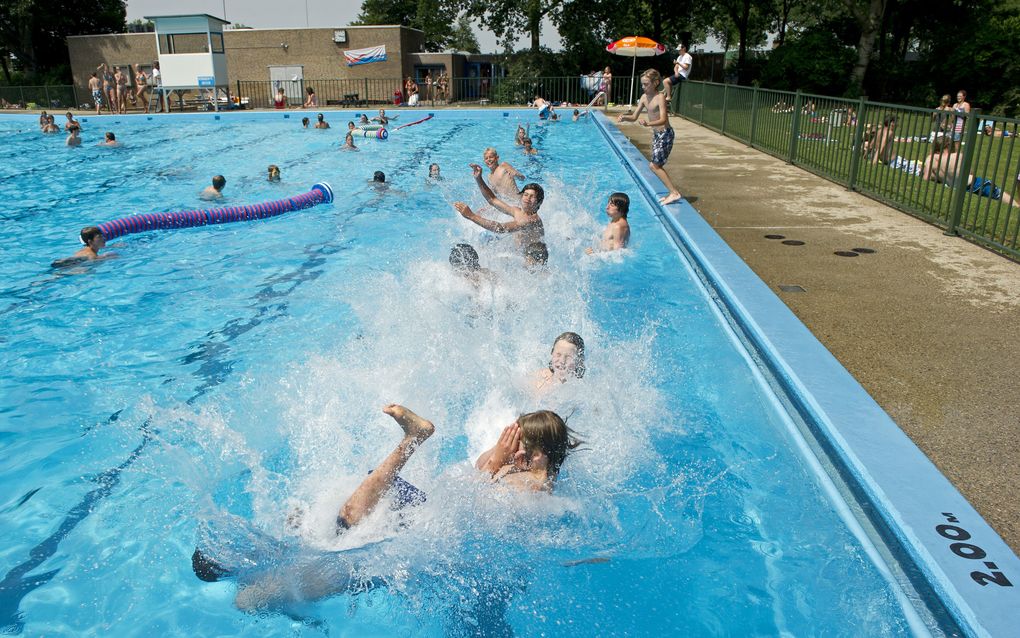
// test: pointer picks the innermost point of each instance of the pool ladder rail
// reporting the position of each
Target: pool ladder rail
(594, 100)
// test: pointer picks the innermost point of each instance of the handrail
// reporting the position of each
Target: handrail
(594, 100)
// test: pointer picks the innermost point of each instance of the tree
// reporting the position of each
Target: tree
(509, 18)
(434, 17)
(749, 19)
(868, 14)
(462, 38)
(35, 31)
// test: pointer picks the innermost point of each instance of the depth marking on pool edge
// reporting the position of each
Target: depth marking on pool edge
(971, 552)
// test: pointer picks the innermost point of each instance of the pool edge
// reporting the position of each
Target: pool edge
(902, 487)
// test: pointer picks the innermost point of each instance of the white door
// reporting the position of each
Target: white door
(291, 78)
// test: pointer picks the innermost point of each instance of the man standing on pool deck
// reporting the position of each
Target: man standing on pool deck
(662, 132)
(526, 225)
(503, 177)
(216, 190)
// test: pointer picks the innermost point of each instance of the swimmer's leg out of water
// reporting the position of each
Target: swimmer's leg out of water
(370, 492)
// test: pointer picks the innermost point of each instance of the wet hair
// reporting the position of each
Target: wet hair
(574, 339)
(546, 431)
(538, 191)
(464, 257)
(435, 166)
(654, 76)
(110, 136)
(219, 182)
(304, 121)
(378, 176)
(622, 203)
(349, 137)
(274, 173)
(89, 233)
(576, 112)
(537, 253)
(350, 125)
(320, 117)
(527, 140)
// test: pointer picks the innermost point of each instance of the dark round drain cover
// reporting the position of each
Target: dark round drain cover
(863, 251)
(775, 236)
(845, 253)
(793, 242)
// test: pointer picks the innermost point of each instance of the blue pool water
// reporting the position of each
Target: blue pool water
(211, 383)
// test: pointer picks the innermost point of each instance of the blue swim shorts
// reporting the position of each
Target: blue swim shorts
(984, 188)
(662, 144)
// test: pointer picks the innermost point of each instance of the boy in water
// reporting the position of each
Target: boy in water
(528, 148)
(502, 177)
(274, 173)
(526, 225)
(94, 242)
(617, 232)
(110, 140)
(662, 132)
(216, 190)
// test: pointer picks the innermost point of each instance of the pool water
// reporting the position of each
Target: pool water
(224, 385)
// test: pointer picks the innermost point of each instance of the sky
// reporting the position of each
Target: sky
(267, 14)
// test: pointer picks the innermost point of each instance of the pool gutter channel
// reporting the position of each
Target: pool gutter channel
(894, 489)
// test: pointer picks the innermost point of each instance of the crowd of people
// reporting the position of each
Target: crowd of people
(112, 89)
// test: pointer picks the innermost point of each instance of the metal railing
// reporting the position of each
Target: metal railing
(40, 97)
(885, 151)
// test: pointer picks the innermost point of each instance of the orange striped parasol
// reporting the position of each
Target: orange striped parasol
(635, 46)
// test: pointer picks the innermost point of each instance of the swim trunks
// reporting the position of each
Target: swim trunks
(97, 96)
(985, 188)
(662, 144)
(406, 494)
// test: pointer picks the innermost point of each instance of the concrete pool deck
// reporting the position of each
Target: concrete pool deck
(927, 324)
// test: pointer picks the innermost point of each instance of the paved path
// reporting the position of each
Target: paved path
(928, 324)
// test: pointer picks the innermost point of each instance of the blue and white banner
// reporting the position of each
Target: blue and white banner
(365, 56)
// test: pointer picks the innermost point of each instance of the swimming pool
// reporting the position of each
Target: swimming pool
(214, 381)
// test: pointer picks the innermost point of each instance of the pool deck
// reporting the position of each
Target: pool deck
(927, 324)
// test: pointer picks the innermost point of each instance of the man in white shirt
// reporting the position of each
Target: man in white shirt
(681, 70)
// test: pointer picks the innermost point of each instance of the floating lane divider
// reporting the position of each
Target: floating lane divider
(424, 119)
(320, 193)
(378, 133)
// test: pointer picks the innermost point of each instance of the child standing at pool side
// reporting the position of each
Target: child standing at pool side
(662, 132)
(617, 232)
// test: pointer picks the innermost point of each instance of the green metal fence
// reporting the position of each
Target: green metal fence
(40, 97)
(958, 171)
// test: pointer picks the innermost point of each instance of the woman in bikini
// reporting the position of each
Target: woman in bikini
(141, 82)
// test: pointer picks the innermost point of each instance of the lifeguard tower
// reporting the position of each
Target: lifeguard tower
(191, 57)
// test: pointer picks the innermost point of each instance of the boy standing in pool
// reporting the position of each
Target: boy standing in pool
(526, 225)
(662, 132)
(617, 232)
(216, 190)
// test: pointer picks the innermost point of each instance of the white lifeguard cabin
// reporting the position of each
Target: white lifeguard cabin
(191, 55)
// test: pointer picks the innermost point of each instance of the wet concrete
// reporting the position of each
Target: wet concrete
(928, 324)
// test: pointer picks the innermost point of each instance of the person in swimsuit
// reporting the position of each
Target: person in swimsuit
(43, 120)
(526, 225)
(97, 93)
(274, 173)
(94, 242)
(349, 142)
(109, 87)
(216, 190)
(662, 132)
(312, 102)
(942, 167)
(962, 107)
(321, 121)
(526, 458)
(142, 83)
(566, 362)
(502, 176)
(121, 81)
(617, 232)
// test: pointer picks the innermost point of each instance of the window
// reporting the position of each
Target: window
(171, 43)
